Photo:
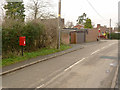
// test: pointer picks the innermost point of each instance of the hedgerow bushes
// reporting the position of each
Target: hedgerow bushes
(115, 36)
(37, 33)
(11, 30)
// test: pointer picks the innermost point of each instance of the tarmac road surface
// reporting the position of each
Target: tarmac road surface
(91, 67)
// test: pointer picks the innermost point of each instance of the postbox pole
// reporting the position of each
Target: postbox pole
(22, 50)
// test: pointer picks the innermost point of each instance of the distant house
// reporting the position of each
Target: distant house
(102, 28)
(79, 26)
(76, 36)
(94, 33)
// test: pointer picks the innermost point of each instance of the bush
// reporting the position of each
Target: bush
(37, 33)
(115, 36)
(11, 31)
(50, 32)
(34, 32)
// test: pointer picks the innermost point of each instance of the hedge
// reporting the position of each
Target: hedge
(115, 36)
(36, 33)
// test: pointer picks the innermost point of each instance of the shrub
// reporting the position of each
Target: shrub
(33, 32)
(37, 33)
(10, 37)
(115, 36)
(12, 30)
(50, 32)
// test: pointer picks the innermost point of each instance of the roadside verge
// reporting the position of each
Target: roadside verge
(7, 71)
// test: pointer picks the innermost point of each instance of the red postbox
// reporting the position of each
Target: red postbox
(22, 41)
(99, 31)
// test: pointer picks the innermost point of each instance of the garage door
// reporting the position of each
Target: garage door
(80, 37)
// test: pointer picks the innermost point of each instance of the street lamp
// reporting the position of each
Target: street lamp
(59, 25)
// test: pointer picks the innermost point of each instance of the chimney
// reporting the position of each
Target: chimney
(98, 25)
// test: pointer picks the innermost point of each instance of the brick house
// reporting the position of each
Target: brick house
(93, 33)
(102, 28)
(79, 26)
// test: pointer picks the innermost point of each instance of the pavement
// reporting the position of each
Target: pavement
(93, 66)
(38, 59)
(26, 63)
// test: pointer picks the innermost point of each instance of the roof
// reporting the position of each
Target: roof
(68, 30)
(79, 26)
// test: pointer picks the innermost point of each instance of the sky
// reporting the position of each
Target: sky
(106, 9)
(71, 9)
(119, 12)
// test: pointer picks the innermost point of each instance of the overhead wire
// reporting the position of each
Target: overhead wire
(95, 9)
(107, 20)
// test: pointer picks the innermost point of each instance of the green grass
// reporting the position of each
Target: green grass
(27, 56)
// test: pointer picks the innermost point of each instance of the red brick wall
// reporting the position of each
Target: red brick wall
(92, 35)
(65, 38)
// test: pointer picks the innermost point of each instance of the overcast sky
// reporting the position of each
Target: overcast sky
(71, 9)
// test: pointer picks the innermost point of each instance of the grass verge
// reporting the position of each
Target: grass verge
(27, 56)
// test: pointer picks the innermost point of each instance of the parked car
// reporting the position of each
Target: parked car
(102, 36)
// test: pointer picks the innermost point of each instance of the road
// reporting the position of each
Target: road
(91, 67)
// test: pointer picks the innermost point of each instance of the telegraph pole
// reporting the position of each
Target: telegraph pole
(110, 30)
(59, 25)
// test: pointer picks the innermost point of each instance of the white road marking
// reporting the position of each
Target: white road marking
(48, 82)
(102, 48)
(60, 74)
(111, 44)
(74, 64)
(42, 85)
(95, 51)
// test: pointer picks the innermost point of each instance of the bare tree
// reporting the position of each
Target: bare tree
(39, 9)
(69, 24)
(2, 12)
